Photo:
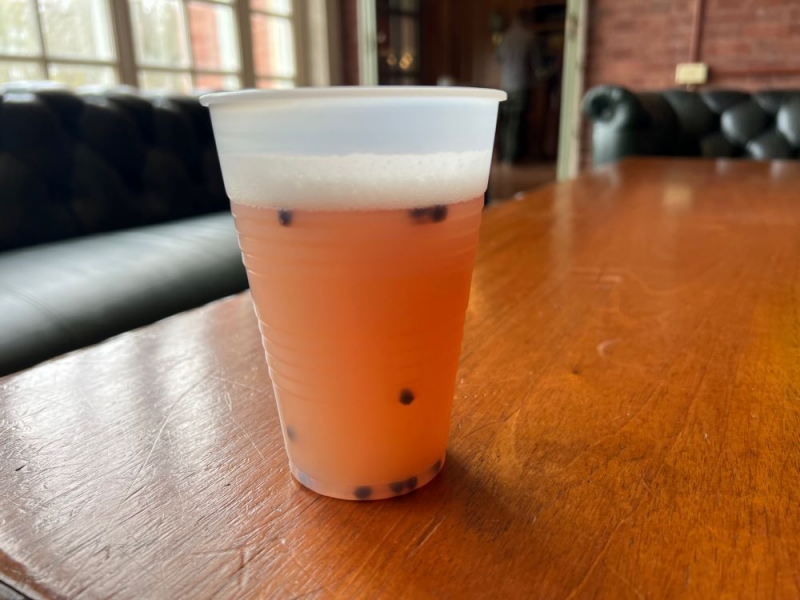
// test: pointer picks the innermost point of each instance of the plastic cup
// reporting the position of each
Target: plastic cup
(358, 211)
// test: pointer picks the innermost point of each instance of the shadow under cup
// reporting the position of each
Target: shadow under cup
(359, 241)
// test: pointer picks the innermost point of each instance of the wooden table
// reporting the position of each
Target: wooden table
(626, 425)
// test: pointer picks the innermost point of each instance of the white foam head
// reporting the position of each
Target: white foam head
(363, 181)
(355, 148)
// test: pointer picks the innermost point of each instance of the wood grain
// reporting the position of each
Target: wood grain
(627, 425)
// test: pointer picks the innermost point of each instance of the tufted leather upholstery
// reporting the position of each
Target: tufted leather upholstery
(65, 295)
(73, 164)
(713, 123)
(103, 217)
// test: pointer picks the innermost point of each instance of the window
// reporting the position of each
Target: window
(273, 43)
(185, 44)
(69, 41)
(176, 45)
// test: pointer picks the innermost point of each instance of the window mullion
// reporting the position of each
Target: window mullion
(246, 59)
(188, 30)
(298, 23)
(40, 33)
(123, 34)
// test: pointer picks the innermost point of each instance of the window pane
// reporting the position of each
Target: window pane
(77, 28)
(278, 7)
(19, 71)
(159, 33)
(207, 81)
(214, 40)
(78, 75)
(273, 46)
(274, 84)
(165, 81)
(18, 28)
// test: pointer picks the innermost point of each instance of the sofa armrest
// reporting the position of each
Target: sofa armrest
(626, 124)
(614, 106)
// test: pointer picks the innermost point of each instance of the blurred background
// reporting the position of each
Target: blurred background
(190, 46)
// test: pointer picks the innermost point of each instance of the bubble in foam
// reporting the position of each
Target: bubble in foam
(355, 181)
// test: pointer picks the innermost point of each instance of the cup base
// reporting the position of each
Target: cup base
(361, 493)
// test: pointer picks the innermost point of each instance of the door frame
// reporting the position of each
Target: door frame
(571, 119)
(367, 43)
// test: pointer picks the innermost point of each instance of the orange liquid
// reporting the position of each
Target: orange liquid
(361, 315)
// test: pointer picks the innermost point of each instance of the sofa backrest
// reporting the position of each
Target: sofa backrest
(713, 123)
(73, 164)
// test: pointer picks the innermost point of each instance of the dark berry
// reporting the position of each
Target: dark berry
(438, 213)
(290, 433)
(285, 217)
(430, 214)
(303, 478)
(406, 396)
(411, 483)
(363, 492)
(397, 486)
(437, 466)
(418, 214)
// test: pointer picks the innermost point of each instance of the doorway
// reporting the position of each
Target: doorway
(398, 38)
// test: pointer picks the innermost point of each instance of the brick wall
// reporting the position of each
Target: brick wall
(637, 43)
(203, 31)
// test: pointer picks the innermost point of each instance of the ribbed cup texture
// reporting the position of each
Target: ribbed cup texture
(361, 314)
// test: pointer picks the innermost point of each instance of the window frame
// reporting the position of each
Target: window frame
(296, 18)
(191, 69)
(126, 67)
(44, 58)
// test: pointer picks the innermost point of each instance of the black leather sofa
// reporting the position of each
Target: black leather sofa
(112, 215)
(714, 123)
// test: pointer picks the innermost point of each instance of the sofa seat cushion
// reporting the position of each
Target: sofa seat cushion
(62, 296)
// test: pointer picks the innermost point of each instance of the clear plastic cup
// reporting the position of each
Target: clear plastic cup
(358, 212)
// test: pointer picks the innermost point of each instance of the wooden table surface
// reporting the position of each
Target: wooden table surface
(626, 425)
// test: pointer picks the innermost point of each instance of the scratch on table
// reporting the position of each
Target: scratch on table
(239, 384)
(610, 278)
(159, 434)
(99, 537)
(430, 533)
(309, 594)
(625, 581)
(431, 529)
(247, 435)
(605, 345)
(220, 552)
(600, 555)
(309, 505)
(160, 577)
(367, 561)
(693, 399)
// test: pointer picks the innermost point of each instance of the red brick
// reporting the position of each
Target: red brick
(766, 30)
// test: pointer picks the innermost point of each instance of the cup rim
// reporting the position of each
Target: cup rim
(354, 92)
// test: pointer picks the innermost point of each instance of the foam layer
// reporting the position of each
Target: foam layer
(355, 181)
